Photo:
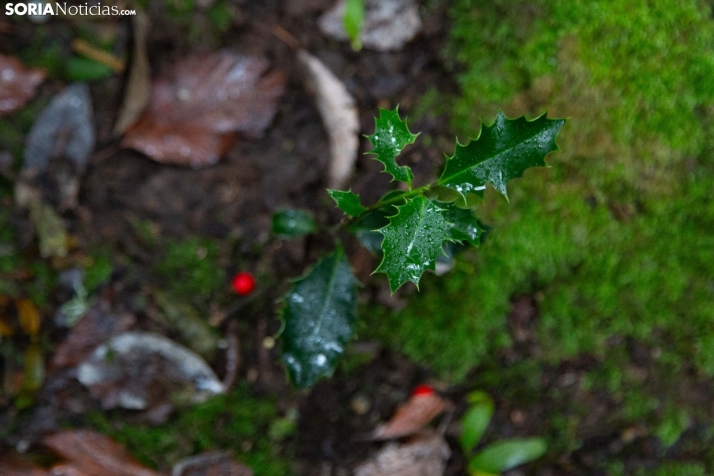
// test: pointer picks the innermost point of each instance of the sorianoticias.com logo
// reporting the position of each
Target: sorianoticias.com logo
(63, 9)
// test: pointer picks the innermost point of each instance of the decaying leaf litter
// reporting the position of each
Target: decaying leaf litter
(286, 150)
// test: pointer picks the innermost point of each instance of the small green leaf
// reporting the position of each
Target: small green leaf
(366, 226)
(503, 151)
(293, 223)
(354, 19)
(347, 201)
(319, 319)
(413, 239)
(391, 135)
(463, 224)
(476, 420)
(508, 454)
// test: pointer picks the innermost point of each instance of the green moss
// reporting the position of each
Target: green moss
(614, 241)
(238, 422)
(190, 270)
(98, 272)
(621, 48)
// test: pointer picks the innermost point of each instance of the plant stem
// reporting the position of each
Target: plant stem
(410, 193)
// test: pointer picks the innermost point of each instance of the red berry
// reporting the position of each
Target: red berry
(243, 283)
(422, 390)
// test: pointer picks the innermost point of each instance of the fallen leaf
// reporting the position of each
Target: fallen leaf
(146, 370)
(50, 228)
(213, 463)
(195, 108)
(339, 115)
(424, 456)
(195, 332)
(412, 416)
(388, 24)
(56, 150)
(34, 368)
(64, 128)
(12, 464)
(17, 84)
(95, 454)
(96, 327)
(138, 87)
(29, 316)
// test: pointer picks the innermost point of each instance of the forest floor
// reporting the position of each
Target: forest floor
(155, 240)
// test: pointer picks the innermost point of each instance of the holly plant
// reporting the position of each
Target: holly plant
(496, 457)
(412, 229)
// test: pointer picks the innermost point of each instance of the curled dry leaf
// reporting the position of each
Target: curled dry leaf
(17, 84)
(412, 416)
(195, 108)
(138, 87)
(213, 463)
(145, 371)
(92, 453)
(339, 116)
(424, 455)
(388, 24)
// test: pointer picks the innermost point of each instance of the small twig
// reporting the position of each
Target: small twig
(286, 37)
(100, 56)
(232, 355)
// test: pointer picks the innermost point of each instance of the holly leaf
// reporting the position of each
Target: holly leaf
(413, 239)
(348, 202)
(319, 319)
(391, 135)
(502, 152)
(293, 223)
(463, 225)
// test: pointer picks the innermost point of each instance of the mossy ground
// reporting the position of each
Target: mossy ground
(615, 240)
(239, 421)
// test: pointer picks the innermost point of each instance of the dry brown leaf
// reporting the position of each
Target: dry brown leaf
(196, 107)
(95, 454)
(412, 416)
(425, 455)
(138, 87)
(96, 327)
(17, 84)
(213, 463)
(339, 116)
(12, 464)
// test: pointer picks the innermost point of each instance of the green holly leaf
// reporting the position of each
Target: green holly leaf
(391, 135)
(508, 454)
(463, 225)
(293, 223)
(318, 318)
(503, 151)
(413, 239)
(348, 202)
